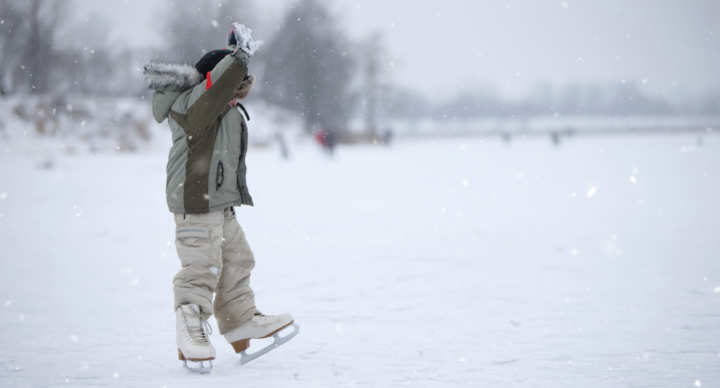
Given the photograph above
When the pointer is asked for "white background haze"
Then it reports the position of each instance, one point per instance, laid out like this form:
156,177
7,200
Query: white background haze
438,47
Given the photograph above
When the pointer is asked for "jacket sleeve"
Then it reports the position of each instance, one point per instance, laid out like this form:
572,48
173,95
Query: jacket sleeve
211,97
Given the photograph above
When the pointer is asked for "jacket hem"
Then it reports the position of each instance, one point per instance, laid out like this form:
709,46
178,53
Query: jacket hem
222,206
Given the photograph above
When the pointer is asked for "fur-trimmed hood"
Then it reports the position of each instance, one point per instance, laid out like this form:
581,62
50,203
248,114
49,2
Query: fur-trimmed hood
169,76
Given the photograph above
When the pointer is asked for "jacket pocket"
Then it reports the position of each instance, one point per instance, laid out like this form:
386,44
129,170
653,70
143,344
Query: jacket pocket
220,176
191,241
192,231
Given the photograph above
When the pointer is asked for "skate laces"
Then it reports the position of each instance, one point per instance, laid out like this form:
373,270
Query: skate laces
262,317
200,332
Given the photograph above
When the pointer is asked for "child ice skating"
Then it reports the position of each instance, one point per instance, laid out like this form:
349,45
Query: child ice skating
206,174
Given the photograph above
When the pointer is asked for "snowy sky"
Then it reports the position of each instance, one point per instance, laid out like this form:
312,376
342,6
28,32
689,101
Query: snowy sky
438,47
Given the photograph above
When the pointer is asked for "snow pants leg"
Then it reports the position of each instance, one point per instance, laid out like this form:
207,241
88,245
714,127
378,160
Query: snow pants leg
216,259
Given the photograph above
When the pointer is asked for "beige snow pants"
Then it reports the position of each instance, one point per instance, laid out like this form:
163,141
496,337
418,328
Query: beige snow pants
215,258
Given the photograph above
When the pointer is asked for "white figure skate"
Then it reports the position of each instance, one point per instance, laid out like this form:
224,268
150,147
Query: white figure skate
260,326
192,338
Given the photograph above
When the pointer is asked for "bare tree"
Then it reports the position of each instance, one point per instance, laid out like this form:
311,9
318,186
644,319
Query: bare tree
372,52
27,33
308,68
12,26
44,17
89,64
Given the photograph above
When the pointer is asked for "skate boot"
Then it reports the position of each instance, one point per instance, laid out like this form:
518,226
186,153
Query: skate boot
192,338
260,326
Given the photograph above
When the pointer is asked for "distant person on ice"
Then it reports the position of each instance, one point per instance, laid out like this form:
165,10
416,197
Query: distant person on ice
327,140
205,179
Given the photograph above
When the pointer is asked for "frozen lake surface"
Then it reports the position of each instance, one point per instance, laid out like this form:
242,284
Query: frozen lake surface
429,263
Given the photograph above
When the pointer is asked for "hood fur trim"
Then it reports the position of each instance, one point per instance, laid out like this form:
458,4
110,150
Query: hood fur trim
245,87
164,76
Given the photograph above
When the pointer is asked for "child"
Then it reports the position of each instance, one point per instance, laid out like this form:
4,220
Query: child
205,179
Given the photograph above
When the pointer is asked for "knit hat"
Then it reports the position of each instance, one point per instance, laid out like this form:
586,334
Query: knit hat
210,60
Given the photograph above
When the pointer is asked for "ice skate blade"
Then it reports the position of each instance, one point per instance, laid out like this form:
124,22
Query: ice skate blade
243,344
201,369
277,341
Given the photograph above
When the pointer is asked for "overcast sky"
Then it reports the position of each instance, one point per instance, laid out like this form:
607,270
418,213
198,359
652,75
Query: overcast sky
438,47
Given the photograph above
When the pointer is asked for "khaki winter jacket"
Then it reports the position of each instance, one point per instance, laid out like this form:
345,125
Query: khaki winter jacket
206,167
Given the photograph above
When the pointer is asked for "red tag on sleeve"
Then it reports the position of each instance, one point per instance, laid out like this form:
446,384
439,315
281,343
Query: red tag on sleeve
208,84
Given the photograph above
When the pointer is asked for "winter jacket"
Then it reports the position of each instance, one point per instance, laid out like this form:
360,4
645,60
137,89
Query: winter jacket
206,166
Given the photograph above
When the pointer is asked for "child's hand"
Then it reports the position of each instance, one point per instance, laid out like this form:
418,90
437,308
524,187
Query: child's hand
244,39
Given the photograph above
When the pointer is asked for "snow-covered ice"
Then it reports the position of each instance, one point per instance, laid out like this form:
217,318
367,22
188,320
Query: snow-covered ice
453,262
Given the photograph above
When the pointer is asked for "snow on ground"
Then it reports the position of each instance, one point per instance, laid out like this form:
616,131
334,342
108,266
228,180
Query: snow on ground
455,262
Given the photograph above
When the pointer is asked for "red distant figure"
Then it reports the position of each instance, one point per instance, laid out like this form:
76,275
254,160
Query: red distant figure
326,139
321,138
